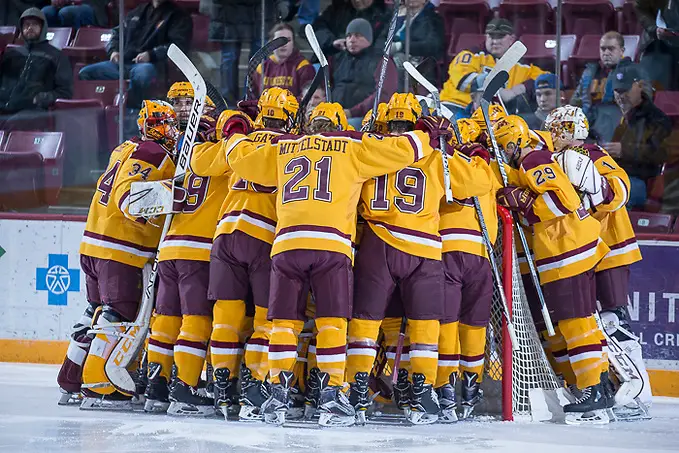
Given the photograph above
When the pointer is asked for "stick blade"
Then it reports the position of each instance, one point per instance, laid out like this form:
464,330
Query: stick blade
494,85
417,75
315,46
513,55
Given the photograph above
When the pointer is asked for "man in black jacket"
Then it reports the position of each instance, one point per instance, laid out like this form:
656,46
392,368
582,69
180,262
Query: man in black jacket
34,75
660,41
149,30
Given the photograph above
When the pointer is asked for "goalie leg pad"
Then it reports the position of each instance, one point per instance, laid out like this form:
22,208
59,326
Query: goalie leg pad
584,349
362,347
424,345
161,344
449,353
331,345
191,348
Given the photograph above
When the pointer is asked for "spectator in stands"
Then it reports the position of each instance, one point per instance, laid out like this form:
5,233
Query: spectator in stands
234,22
11,10
426,35
316,98
468,71
639,143
356,72
660,42
32,76
76,13
594,93
308,12
332,23
545,97
286,68
150,28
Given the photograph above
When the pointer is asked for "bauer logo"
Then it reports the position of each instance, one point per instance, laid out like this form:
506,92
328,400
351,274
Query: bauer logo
57,279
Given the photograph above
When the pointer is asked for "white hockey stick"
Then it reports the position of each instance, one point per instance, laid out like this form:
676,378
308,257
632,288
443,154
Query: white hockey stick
313,42
422,80
513,55
133,338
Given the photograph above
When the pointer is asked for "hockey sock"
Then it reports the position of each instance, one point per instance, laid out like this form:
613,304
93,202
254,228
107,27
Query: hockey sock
472,349
559,350
257,348
94,376
331,348
161,344
391,328
604,344
283,346
424,348
362,347
584,350
191,348
449,353
226,346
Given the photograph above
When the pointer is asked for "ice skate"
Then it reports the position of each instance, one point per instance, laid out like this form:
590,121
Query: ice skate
609,394
115,401
312,394
157,390
402,391
297,406
334,406
448,401
590,408
253,393
141,381
471,393
185,400
424,404
359,397
632,412
222,391
274,409
69,399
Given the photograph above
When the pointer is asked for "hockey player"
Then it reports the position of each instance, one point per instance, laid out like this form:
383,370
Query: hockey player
567,248
180,96
314,237
569,128
240,261
380,125
115,247
468,288
401,252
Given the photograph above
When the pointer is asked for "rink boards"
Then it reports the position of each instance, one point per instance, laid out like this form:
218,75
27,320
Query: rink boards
42,292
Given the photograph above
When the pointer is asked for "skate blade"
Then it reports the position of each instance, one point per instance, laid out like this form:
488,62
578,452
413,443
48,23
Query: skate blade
295,413
250,414
333,420
138,400
448,416
422,418
190,410
466,411
98,404
361,418
625,414
597,417
70,399
276,418
154,406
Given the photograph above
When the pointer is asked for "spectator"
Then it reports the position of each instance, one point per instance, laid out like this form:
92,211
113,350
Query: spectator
469,69
639,143
308,12
356,72
316,98
545,97
426,35
660,42
11,10
234,22
594,93
332,23
32,76
286,68
76,13
150,28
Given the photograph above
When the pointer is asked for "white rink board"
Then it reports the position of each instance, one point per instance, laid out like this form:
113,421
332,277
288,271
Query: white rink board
39,301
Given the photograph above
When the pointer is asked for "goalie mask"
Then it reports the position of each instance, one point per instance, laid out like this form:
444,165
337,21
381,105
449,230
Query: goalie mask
495,113
567,125
225,115
278,104
380,125
157,121
512,135
332,112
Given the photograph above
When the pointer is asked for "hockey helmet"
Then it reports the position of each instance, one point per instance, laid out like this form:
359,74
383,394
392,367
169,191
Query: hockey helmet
469,130
157,121
225,115
279,104
567,124
403,107
495,112
381,120
512,130
330,111
184,89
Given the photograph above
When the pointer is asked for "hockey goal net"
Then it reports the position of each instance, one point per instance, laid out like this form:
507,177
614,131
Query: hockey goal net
510,377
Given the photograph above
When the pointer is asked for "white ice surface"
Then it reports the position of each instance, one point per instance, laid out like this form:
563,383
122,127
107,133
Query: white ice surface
31,421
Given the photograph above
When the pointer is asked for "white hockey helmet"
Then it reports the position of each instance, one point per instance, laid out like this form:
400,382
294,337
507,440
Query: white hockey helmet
566,124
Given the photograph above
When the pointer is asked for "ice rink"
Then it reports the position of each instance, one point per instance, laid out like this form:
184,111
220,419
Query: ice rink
31,421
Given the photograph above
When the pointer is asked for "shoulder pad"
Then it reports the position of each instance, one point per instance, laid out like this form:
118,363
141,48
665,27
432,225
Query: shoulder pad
150,152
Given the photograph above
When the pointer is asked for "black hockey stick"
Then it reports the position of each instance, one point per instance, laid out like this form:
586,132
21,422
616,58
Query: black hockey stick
318,78
258,57
216,97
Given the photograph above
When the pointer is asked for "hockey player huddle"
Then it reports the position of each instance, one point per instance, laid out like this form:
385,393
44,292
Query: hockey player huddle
300,254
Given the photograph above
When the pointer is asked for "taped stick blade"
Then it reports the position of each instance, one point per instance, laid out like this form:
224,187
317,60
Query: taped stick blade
513,55
498,82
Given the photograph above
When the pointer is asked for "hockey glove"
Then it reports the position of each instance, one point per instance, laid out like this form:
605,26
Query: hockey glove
519,199
207,129
475,150
436,127
236,124
250,108
603,196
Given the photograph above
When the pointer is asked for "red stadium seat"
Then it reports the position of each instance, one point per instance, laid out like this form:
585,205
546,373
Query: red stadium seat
466,41
20,180
587,16
668,102
7,35
190,6
543,47
464,16
627,19
587,52
59,37
89,45
50,145
102,90
648,222
199,41
528,16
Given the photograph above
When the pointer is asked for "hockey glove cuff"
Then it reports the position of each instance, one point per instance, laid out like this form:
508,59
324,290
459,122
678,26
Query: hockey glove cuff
237,124
207,129
436,127
475,150
519,199
250,108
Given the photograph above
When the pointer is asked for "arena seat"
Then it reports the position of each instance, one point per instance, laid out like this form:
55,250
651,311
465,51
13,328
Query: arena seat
627,19
59,37
464,16
466,41
102,90
199,40
543,47
7,35
649,222
587,16
528,16
668,102
50,146
89,45
20,178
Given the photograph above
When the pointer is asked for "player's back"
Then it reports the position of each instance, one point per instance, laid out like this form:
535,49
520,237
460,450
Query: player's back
460,229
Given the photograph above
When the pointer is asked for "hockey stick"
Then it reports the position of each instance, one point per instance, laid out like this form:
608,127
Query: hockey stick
385,61
399,349
135,333
495,84
415,74
307,97
313,42
216,96
257,58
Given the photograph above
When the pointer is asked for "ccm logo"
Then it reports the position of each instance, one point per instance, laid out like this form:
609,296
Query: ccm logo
151,210
126,345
